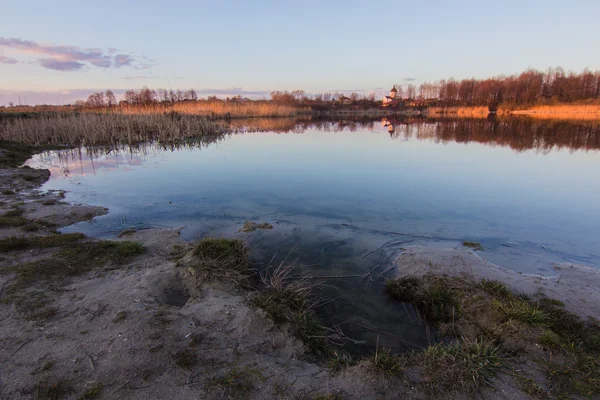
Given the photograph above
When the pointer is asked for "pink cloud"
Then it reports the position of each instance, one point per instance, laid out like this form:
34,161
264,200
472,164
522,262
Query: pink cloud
7,60
69,58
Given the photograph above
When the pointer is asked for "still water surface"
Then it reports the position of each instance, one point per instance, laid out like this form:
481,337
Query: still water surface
334,192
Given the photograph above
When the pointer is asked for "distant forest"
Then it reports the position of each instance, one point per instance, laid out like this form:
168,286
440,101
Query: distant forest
532,87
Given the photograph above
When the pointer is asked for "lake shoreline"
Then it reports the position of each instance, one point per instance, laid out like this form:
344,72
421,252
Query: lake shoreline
130,331
559,112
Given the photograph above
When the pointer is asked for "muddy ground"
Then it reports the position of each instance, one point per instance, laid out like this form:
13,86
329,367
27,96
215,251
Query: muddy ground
143,326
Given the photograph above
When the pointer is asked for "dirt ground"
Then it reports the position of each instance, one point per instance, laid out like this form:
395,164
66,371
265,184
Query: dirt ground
144,328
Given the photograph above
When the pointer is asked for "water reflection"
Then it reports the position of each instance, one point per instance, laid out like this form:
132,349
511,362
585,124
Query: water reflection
519,134
335,191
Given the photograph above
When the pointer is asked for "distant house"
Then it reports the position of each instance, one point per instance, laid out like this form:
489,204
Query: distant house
387,100
343,100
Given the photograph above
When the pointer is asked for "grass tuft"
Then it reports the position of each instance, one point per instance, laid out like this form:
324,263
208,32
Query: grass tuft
92,392
473,245
433,297
495,288
286,300
465,365
522,311
186,358
24,243
387,363
220,258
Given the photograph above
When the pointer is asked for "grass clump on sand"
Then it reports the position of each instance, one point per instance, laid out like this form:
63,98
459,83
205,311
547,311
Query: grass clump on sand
185,358
520,310
496,327
52,391
237,382
386,362
433,298
73,257
459,366
221,258
286,300
24,243
92,392
12,222
473,245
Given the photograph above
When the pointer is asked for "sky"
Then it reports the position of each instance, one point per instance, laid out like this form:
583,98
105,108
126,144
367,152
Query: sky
56,52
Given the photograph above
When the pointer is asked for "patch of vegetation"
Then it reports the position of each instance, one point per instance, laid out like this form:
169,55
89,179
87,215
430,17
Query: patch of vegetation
12,222
237,383
530,387
495,288
224,259
492,321
473,245
36,242
126,249
8,192
185,358
92,392
221,249
121,315
459,366
339,361
522,311
49,202
550,340
14,154
73,257
15,212
52,391
432,297
287,301
252,226
387,363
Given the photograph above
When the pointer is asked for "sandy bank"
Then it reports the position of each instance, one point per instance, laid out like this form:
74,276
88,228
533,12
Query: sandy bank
575,285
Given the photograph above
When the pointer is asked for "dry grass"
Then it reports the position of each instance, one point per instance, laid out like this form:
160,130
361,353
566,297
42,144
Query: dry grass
287,300
583,112
568,112
495,324
219,109
89,129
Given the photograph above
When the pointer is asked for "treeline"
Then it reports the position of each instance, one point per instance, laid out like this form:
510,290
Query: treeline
146,97
531,87
142,97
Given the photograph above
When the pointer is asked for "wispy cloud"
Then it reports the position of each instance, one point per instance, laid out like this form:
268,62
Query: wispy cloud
134,77
72,58
8,60
410,79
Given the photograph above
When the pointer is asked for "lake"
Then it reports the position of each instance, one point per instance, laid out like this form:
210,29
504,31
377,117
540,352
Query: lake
345,197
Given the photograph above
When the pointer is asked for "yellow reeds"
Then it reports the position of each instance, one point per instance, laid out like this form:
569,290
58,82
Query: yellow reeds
219,109
569,112
110,128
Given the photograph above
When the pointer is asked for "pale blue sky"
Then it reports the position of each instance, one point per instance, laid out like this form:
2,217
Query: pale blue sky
260,46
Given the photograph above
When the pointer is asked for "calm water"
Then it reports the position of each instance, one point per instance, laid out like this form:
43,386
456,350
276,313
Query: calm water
334,192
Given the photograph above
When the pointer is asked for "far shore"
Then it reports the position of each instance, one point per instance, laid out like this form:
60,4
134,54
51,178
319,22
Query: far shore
550,112
268,109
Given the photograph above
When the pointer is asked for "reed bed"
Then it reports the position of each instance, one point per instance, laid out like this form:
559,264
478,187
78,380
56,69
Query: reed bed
565,112
219,109
88,129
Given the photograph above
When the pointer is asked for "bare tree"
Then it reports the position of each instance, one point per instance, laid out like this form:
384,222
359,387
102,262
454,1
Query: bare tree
411,91
111,100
